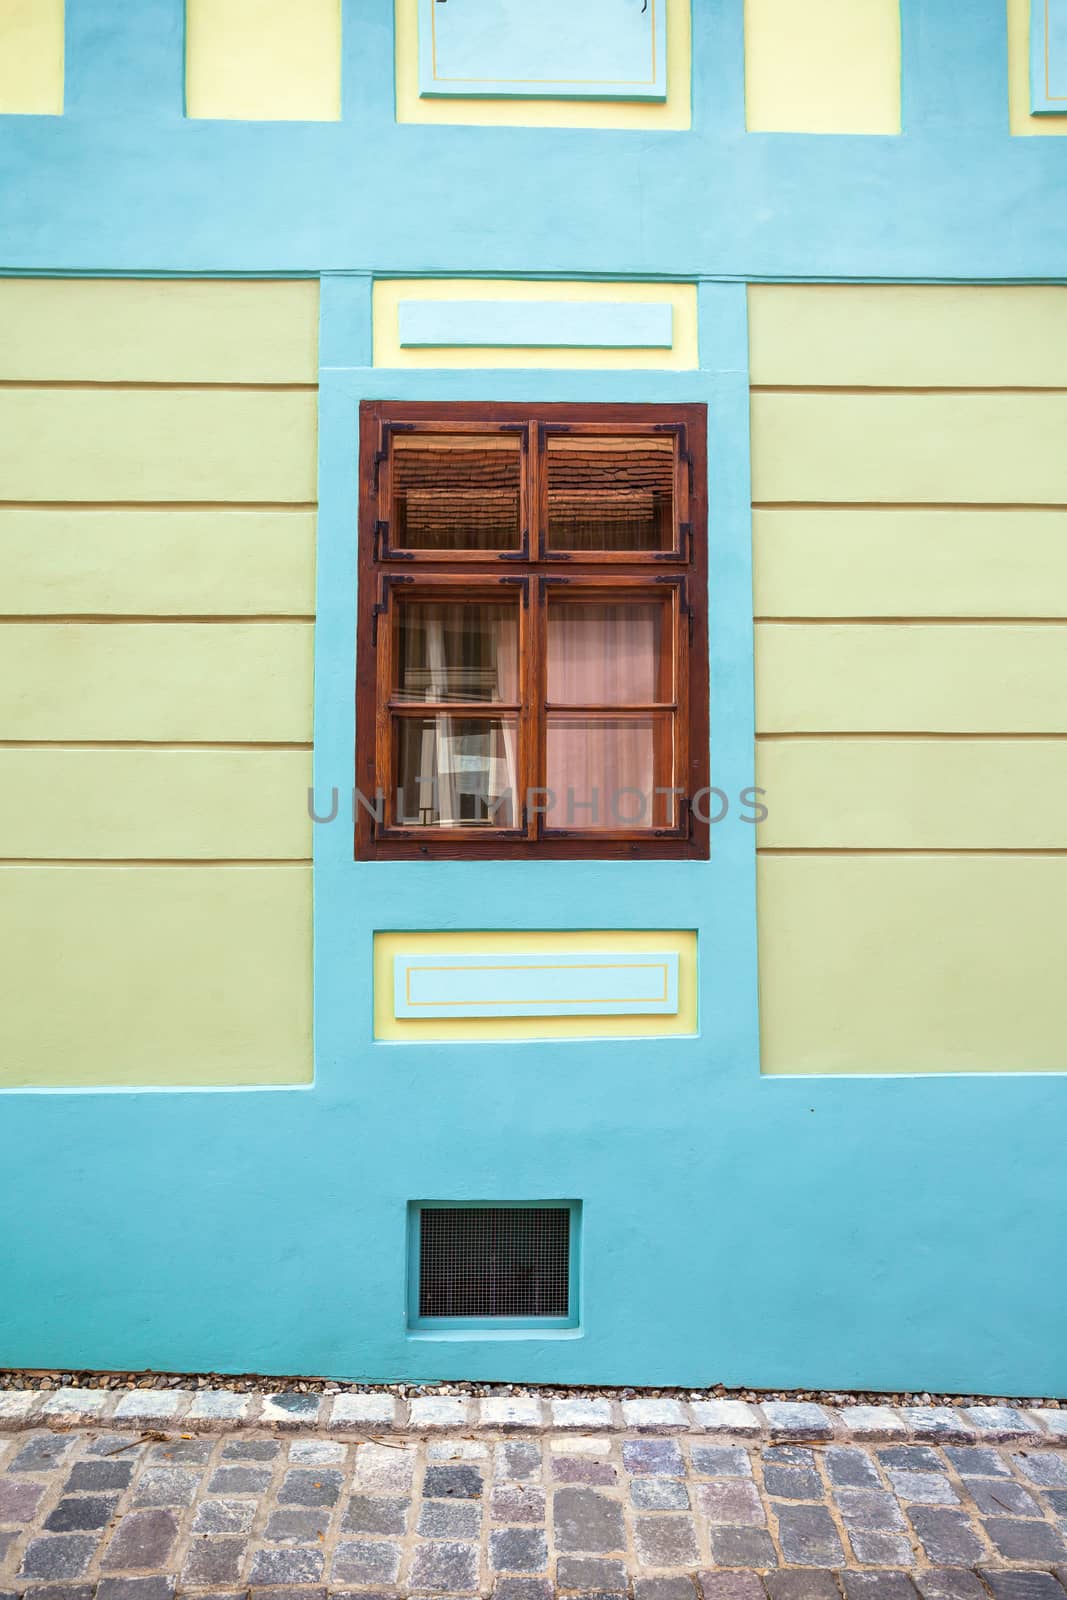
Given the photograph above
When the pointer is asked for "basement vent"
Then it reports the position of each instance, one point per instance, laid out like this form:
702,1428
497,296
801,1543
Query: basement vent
494,1261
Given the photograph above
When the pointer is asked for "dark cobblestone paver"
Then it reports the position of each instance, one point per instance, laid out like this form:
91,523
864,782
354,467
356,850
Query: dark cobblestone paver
100,1515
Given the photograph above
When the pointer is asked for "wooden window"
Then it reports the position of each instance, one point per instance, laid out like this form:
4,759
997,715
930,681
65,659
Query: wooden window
532,651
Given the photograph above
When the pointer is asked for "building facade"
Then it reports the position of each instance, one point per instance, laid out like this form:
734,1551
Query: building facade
534,690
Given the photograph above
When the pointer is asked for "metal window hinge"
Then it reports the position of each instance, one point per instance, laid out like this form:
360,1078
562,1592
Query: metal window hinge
522,554
546,582
381,606
382,452
525,584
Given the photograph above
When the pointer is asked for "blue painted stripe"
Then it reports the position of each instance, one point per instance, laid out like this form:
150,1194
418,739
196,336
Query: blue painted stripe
616,983
589,324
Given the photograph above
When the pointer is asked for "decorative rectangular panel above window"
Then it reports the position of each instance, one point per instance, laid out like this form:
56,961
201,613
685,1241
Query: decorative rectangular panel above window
1048,57
597,50
532,658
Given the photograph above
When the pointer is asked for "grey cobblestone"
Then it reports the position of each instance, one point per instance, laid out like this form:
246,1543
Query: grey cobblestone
452,1515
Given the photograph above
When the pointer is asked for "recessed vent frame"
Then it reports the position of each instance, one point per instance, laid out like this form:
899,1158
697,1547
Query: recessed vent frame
480,1321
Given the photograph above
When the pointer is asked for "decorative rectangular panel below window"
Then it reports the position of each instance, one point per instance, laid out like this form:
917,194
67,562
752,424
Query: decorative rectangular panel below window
585,984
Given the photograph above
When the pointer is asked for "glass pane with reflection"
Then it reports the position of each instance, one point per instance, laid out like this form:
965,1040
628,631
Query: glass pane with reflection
603,772
456,492
613,654
610,494
457,772
457,650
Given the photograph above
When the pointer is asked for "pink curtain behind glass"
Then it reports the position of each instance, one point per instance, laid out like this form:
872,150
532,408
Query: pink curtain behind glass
602,655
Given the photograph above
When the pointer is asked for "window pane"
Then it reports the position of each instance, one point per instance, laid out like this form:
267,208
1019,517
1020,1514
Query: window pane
457,650
459,492
613,654
456,772
610,494
603,772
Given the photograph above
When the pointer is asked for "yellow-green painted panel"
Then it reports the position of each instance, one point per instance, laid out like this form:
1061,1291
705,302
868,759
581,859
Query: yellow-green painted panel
1021,119
155,975
896,964
929,448
672,113
204,682
908,335
911,678
31,57
822,66
840,562
164,444
388,352
388,945
263,60
159,330
157,563
163,805
913,794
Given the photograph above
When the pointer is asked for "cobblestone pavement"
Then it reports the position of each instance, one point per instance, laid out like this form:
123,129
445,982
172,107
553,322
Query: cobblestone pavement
142,1516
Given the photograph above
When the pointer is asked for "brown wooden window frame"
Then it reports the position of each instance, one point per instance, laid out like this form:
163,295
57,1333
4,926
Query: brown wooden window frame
529,574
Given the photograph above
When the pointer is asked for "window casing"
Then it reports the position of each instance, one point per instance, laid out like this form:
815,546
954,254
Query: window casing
532,647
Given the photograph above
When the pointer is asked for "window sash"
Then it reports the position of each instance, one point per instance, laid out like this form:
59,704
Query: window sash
532,712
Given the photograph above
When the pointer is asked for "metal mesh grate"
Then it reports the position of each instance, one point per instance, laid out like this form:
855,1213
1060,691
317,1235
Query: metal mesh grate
494,1261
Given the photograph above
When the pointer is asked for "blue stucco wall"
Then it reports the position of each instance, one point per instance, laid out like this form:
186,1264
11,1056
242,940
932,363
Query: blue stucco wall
848,1232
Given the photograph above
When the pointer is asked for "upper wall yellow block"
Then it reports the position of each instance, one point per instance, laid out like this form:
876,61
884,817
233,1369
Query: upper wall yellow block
822,66
388,351
204,682
263,60
911,678
155,975
913,794
157,563
1002,449
887,964
672,113
1020,116
31,57
839,561
243,445
908,335
130,330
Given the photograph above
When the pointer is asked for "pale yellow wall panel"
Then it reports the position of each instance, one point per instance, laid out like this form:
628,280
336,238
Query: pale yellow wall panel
159,330
146,445
683,354
908,335
673,113
263,60
387,946
163,805
841,562
31,57
1019,76
155,975
913,794
157,563
1007,449
917,678
897,964
822,66
200,682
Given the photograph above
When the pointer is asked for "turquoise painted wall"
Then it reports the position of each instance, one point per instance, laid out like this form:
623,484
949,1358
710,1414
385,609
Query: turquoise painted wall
841,1232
